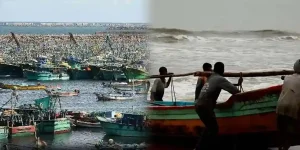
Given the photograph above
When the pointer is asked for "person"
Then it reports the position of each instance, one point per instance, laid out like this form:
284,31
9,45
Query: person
288,108
206,103
202,80
159,85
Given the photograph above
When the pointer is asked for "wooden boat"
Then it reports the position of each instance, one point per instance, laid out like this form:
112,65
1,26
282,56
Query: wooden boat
24,87
248,112
86,124
51,122
129,125
66,94
114,96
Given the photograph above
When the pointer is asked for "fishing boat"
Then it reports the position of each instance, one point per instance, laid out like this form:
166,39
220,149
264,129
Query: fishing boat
66,94
251,112
44,71
17,124
129,125
77,71
23,87
10,71
114,96
87,124
135,73
51,122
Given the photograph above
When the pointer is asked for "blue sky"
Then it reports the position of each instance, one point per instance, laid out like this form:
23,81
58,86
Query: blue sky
123,11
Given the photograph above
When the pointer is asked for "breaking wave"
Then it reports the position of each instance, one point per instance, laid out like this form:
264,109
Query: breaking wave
175,35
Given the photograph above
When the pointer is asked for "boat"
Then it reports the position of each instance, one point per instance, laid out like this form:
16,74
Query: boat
44,71
130,125
77,71
23,87
51,122
10,71
114,96
66,94
135,73
47,74
248,112
87,124
17,124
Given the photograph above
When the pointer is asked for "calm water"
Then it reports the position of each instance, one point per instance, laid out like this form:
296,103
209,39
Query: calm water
49,30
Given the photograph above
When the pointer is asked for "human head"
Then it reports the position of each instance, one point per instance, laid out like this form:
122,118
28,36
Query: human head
163,71
207,67
219,68
297,66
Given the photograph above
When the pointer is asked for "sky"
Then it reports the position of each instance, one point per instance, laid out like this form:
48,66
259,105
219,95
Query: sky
117,11
223,15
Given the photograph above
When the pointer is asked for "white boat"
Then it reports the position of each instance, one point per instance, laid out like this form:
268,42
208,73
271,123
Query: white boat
114,96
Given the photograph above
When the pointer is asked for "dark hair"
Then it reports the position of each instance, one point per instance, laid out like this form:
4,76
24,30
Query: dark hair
163,69
207,67
219,68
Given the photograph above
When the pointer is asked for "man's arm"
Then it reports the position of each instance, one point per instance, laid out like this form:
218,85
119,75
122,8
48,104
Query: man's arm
169,81
227,86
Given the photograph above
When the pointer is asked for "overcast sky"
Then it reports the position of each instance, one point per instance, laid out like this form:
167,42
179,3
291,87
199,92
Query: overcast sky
226,14
74,10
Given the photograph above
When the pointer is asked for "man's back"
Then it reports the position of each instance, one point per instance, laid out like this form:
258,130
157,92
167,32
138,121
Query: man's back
158,89
212,89
289,100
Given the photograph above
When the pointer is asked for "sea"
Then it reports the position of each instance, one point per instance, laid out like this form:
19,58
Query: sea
86,101
182,51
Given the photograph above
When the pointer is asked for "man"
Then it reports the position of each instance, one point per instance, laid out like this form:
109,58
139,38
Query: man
206,103
159,85
288,108
202,80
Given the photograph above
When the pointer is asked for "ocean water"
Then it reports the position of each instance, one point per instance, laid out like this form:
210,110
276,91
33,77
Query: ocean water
49,30
86,101
241,51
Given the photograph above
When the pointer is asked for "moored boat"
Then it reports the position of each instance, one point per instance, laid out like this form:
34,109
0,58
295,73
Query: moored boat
23,87
86,124
129,125
114,96
50,122
66,94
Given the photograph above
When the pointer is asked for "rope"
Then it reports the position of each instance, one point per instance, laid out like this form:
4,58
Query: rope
173,91
240,82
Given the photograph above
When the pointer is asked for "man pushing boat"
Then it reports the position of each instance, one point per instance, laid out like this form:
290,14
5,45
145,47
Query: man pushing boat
288,108
201,80
206,103
159,85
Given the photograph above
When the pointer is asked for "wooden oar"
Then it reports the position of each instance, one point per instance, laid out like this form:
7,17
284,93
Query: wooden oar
232,74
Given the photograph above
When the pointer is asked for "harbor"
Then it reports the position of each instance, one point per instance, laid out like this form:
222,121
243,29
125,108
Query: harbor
63,89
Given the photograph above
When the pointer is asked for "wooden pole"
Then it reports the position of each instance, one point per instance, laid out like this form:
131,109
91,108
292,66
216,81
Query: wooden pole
232,74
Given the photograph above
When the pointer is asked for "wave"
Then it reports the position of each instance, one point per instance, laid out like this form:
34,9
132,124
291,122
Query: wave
176,35
267,32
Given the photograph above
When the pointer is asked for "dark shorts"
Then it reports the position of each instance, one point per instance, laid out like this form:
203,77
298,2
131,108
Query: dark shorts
287,124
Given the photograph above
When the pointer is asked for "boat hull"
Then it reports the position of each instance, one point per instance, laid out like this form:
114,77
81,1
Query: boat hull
76,74
250,112
57,126
4,132
87,124
45,76
132,73
10,71
20,87
22,131
116,129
